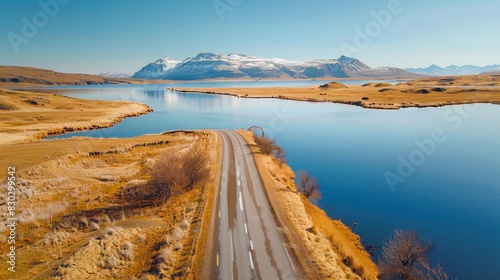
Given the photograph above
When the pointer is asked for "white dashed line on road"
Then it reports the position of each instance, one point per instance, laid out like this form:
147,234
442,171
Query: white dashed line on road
251,261
241,203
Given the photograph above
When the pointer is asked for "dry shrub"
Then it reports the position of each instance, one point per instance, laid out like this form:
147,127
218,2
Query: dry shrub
195,167
185,224
55,238
51,209
127,250
110,262
177,234
94,226
165,176
26,216
121,216
309,186
106,219
84,222
406,255
161,262
268,146
177,246
31,215
168,240
141,237
25,192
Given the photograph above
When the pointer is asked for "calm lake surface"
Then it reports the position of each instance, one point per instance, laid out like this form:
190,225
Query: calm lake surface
451,188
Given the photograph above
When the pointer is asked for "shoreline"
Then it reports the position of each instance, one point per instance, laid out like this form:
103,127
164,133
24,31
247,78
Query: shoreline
361,104
30,116
420,93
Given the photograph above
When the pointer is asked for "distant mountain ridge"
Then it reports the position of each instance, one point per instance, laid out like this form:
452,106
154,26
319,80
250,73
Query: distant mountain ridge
453,70
240,66
115,74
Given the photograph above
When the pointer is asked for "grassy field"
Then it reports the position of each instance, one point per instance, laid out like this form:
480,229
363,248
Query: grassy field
83,211
427,92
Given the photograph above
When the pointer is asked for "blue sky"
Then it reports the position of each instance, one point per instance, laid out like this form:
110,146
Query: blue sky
96,36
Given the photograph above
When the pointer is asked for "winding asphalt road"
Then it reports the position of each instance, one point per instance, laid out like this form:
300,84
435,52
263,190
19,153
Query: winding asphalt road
249,245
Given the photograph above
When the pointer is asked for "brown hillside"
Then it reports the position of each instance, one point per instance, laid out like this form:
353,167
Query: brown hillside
12,76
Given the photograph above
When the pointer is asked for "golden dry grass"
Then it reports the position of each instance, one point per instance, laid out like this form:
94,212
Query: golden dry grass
69,200
458,90
27,116
347,244
320,245
203,247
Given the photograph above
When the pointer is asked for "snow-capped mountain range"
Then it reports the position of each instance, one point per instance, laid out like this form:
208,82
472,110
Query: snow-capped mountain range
241,66
453,70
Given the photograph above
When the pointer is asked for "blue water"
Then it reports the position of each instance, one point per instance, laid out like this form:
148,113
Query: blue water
452,196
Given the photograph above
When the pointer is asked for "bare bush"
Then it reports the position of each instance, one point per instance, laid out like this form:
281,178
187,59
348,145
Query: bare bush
195,167
280,155
266,145
406,256
269,147
165,175
309,186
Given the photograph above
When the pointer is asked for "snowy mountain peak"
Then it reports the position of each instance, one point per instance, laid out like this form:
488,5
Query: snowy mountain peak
207,65
206,56
165,59
241,56
346,59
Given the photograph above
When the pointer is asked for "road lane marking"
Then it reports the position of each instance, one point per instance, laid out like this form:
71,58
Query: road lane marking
251,244
251,261
289,259
219,213
241,203
246,229
217,260
231,247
